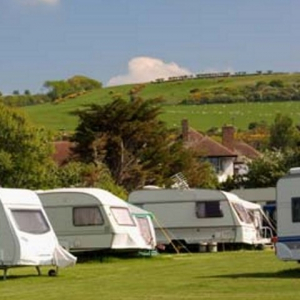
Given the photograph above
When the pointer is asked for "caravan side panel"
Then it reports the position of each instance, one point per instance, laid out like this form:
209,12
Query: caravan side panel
190,215
61,209
288,217
91,219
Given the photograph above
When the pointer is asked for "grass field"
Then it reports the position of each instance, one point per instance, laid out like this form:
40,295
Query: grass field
57,116
201,117
225,275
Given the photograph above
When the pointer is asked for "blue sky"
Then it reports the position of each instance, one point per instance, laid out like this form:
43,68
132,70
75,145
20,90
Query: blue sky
127,41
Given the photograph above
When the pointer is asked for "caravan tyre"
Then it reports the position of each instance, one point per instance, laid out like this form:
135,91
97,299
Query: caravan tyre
260,247
52,273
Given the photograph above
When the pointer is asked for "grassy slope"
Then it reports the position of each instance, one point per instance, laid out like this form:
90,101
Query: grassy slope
215,276
201,117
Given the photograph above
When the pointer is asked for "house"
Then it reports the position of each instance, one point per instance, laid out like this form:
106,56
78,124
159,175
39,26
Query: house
229,157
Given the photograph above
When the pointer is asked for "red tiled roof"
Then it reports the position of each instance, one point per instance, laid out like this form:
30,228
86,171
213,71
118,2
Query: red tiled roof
205,144
211,148
243,149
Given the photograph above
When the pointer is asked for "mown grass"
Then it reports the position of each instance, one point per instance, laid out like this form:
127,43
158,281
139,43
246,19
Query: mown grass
222,276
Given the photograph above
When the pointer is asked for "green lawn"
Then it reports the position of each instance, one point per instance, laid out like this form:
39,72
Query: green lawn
226,275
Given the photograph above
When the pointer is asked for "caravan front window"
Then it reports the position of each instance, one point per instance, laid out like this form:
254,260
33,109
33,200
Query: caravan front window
122,216
143,225
296,209
87,216
208,209
30,221
242,213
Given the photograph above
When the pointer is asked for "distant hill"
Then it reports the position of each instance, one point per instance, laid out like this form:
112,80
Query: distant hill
202,117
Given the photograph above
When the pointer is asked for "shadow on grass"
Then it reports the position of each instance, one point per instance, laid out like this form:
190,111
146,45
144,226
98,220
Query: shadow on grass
107,257
12,277
291,273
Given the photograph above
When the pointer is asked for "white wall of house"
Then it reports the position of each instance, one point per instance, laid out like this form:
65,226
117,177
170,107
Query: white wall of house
227,168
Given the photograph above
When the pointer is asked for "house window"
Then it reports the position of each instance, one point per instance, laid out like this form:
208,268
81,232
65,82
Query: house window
122,216
296,209
87,216
30,221
208,209
217,163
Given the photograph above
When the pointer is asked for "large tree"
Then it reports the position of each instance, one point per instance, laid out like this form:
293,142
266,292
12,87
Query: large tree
283,134
25,152
62,88
79,174
133,142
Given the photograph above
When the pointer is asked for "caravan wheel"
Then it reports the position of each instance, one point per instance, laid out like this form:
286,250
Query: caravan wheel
260,247
52,273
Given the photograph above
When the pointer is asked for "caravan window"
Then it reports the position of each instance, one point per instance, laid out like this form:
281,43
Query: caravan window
296,210
242,213
144,228
208,209
87,216
122,216
30,221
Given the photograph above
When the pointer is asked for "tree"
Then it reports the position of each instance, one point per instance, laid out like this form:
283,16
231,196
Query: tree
58,89
264,171
82,83
283,134
25,153
63,88
88,175
276,83
131,140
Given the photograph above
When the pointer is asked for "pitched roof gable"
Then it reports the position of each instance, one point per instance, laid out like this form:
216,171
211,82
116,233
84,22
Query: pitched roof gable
244,149
203,143
211,148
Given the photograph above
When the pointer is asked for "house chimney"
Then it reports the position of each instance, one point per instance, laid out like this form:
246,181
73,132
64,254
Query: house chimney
185,129
228,136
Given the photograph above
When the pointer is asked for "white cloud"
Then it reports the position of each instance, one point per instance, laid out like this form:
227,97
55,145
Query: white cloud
145,69
35,2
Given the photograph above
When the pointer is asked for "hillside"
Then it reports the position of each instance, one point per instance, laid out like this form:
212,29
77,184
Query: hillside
202,117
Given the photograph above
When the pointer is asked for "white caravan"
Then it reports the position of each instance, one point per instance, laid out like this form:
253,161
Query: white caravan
27,238
90,219
195,216
144,221
287,243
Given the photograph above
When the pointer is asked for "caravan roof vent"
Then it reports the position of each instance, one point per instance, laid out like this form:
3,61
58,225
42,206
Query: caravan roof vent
294,170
